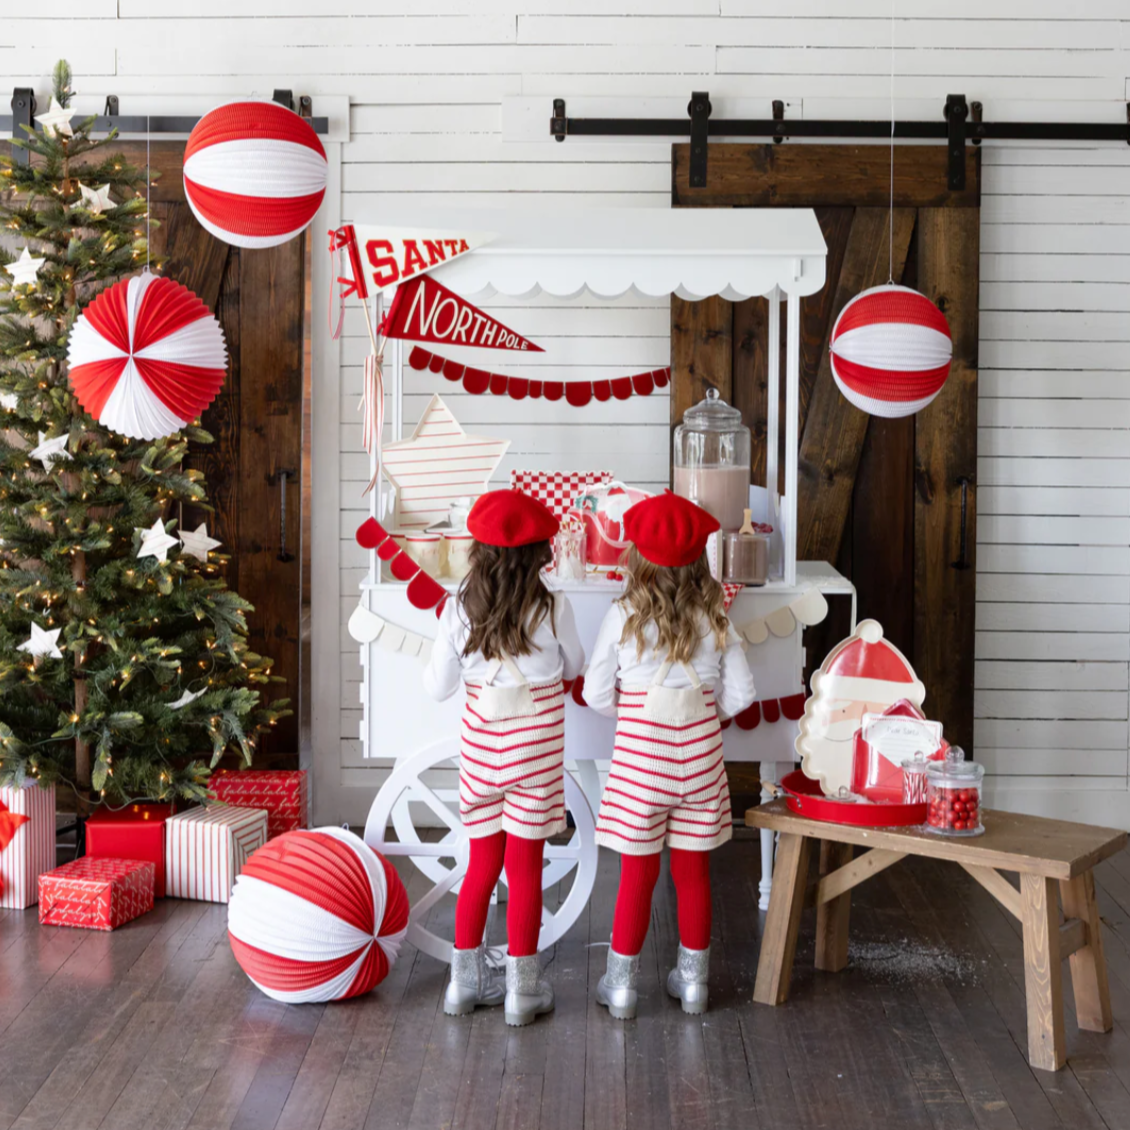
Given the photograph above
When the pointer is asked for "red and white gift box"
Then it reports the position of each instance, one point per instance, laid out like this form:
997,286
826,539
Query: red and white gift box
206,848
558,490
281,792
31,851
96,894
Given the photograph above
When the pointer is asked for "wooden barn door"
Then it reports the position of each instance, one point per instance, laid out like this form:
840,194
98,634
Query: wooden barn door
257,421
892,503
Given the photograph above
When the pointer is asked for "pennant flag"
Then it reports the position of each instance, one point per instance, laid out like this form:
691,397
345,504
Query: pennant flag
426,310
394,255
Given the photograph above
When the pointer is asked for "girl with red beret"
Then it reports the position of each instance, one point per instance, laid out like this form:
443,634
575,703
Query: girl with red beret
665,663
510,642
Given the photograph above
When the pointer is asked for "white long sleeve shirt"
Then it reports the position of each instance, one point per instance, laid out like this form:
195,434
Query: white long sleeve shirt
555,655
726,671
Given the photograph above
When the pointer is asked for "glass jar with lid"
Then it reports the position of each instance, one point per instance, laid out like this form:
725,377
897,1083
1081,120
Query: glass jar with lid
953,795
712,459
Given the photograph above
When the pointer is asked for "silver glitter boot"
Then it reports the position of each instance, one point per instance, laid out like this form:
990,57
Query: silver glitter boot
687,982
472,983
617,988
528,994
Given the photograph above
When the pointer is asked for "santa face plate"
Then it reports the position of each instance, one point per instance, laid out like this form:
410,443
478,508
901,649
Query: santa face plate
864,674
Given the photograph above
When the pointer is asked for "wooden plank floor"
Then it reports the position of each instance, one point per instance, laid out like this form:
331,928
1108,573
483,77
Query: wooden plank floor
154,1027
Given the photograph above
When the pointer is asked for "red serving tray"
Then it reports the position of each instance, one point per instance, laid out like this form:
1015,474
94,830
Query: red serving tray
804,797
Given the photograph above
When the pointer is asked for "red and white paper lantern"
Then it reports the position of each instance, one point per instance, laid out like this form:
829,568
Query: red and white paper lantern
891,351
317,916
146,357
254,173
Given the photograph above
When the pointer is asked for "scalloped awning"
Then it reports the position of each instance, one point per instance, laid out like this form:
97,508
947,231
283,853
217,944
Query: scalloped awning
694,253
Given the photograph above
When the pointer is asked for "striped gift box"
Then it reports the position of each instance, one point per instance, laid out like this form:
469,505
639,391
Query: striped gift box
32,850
206,848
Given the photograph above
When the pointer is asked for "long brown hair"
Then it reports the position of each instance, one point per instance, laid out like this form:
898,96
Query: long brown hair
504,599
676,599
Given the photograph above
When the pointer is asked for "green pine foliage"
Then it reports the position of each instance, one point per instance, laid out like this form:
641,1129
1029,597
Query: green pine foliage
135,634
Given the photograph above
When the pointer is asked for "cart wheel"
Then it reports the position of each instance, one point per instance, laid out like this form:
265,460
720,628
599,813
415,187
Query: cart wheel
445,861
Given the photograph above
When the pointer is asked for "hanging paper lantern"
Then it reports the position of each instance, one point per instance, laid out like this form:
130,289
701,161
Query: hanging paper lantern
254,173
891,351
317,916
146,357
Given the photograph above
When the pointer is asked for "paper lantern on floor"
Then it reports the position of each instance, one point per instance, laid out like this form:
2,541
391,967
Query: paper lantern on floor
254,173
891,351
146,357
317,916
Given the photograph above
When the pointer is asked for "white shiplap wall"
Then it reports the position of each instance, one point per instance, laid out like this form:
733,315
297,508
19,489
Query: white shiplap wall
449,103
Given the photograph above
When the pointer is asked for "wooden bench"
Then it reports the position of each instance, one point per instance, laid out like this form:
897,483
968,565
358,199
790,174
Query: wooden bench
1046,853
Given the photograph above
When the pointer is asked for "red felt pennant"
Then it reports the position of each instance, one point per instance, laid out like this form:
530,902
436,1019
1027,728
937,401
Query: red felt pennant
403,567
771,709
370,534
453,371
750,718
387,550
578,691
662,377
643,383
517,387
498,384
553,390
424,592
419,359
436,363
622,388
602,390
476,381
426,310
792,706
535,390
578,393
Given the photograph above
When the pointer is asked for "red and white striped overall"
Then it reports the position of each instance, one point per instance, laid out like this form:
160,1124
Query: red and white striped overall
668,782
512,758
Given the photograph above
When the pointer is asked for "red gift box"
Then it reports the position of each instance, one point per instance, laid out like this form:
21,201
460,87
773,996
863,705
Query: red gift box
281,793
96,894
134,832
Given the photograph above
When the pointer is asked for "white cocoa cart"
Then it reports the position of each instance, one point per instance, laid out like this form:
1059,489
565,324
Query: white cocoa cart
694,254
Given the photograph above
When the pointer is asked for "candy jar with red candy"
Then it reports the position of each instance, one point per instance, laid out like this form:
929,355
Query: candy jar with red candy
953,795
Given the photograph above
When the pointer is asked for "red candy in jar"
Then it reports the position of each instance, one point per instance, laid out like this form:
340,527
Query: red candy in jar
953,795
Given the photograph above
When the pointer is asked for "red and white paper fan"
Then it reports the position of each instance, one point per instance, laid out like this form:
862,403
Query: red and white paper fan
146,357
891,351
254,173
317,916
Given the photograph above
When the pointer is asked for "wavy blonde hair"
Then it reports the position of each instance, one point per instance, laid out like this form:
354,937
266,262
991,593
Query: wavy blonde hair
676,600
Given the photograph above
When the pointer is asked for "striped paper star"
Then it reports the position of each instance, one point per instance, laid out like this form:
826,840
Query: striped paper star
56,120
438,463
96,200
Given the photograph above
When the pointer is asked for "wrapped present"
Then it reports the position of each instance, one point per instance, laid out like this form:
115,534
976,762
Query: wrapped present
884,741
280,792
27,842
96,894
134,832
558,490
206,848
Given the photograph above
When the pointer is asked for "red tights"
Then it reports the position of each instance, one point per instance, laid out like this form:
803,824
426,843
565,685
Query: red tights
523,859
690,871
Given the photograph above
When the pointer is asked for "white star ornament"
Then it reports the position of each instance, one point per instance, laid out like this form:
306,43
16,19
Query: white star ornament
49,451
197,542
41,643
156,543
185,699
25,270
56,120
96,200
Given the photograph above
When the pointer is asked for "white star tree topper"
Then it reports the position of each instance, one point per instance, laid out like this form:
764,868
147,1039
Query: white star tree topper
49,451
56,120
96,200
25,270
156,543
197,542
41,643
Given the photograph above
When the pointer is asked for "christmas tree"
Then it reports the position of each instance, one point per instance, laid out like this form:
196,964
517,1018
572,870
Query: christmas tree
124,667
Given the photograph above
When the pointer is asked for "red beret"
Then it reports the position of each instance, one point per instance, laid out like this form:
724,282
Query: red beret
668,529
510,518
